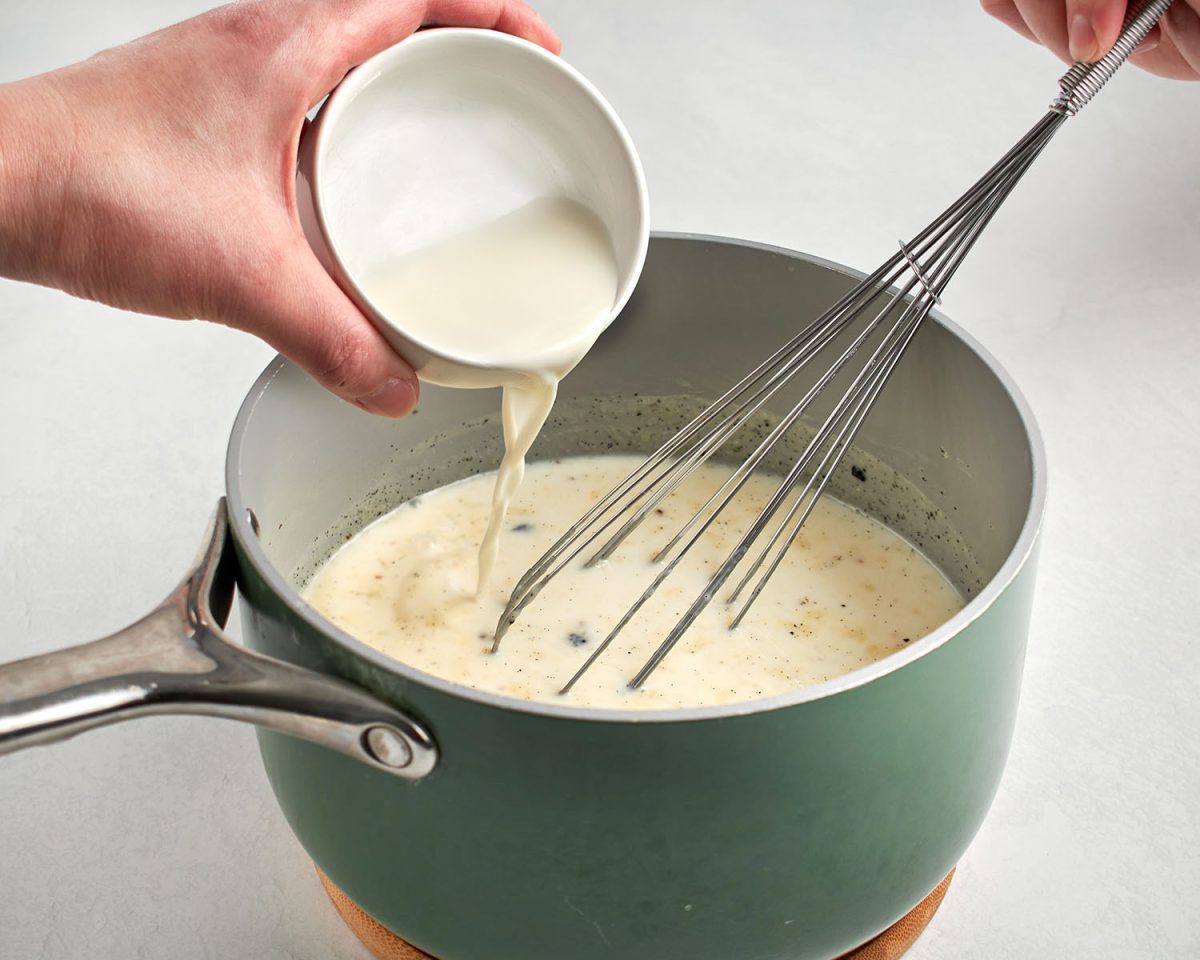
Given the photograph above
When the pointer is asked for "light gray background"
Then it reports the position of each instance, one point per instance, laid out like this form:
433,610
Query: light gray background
832,128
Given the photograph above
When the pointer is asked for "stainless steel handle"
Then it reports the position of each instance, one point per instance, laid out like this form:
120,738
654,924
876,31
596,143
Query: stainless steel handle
1083,81
177,659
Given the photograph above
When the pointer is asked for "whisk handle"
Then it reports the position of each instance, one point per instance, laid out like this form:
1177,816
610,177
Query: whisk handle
1083,81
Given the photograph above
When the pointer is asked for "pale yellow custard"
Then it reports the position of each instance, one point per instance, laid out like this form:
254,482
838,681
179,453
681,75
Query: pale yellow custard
849,593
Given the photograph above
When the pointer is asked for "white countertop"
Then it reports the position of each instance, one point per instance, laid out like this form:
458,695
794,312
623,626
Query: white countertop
830,128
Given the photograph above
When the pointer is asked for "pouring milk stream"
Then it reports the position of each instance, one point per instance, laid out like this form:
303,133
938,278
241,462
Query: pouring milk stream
487,209
526,295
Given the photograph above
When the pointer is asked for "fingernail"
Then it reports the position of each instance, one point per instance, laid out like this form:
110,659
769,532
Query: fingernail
1081,38
1149,43
394,399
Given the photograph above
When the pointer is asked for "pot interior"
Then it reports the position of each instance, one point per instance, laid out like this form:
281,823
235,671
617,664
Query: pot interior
949,456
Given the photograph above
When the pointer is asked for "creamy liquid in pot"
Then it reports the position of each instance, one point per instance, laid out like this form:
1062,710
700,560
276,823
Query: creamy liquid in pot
525,296
849,593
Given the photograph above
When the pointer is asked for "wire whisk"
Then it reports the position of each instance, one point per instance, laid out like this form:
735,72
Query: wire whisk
877,319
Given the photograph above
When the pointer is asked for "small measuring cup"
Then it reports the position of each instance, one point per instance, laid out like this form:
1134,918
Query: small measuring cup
447,130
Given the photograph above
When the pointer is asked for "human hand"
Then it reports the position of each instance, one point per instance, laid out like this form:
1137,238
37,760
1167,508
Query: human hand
159,176
1085,30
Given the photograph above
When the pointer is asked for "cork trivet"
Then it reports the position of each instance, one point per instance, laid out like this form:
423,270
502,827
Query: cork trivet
894,942
385,945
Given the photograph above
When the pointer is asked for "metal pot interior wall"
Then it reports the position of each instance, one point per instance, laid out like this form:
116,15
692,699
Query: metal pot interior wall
314,470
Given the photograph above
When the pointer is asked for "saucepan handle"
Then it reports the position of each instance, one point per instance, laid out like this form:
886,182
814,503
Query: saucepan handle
178,660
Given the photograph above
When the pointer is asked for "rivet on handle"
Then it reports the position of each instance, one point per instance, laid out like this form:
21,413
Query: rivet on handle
388,747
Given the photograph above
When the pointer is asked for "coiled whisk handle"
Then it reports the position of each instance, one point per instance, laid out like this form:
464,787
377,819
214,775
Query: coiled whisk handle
1084,80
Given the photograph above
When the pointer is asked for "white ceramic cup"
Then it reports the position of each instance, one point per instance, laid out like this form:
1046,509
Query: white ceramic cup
447,130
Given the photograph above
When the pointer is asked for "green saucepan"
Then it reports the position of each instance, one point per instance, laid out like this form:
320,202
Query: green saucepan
484,828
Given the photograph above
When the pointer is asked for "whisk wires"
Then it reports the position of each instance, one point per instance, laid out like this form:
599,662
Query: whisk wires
879,318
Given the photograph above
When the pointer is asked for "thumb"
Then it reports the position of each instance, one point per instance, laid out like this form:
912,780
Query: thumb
304,315
1092,27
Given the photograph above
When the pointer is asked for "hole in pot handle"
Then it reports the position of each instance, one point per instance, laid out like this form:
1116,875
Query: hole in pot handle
178,660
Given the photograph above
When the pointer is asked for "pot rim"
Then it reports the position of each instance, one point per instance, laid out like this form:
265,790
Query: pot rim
243,533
